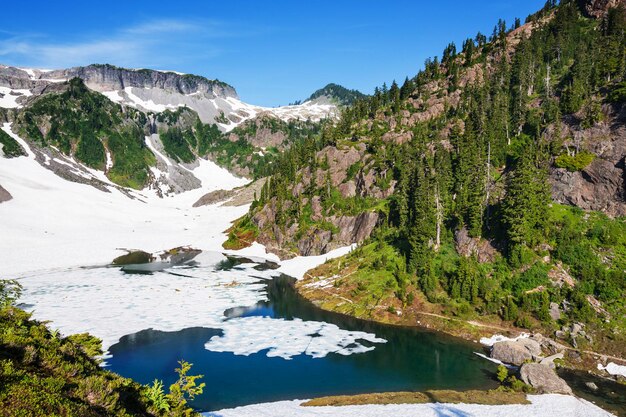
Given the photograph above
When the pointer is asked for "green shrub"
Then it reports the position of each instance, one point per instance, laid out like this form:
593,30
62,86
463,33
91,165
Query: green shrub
10,147
574,163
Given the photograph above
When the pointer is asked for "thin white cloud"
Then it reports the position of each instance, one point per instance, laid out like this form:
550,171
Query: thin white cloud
160,42
160,26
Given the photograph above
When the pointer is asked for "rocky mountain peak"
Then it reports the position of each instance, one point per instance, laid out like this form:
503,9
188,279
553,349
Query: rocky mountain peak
109,77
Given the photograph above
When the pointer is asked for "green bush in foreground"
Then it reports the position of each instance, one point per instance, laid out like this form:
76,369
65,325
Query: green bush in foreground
43,374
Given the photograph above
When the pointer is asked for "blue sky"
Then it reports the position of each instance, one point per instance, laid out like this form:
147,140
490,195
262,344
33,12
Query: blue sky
272,52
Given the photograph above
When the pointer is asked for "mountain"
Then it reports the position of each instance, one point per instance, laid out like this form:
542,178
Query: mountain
335,94
491,184
143,128
153,91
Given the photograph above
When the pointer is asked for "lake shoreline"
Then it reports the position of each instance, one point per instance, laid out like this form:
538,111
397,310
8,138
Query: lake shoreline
469,331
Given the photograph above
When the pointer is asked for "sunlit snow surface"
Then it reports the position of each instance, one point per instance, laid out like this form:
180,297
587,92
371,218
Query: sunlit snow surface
110,303
548,405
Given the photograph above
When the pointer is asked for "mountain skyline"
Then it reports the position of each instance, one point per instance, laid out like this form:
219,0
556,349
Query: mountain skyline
263,53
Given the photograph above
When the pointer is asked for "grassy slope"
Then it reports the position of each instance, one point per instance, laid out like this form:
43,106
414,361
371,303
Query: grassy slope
369,283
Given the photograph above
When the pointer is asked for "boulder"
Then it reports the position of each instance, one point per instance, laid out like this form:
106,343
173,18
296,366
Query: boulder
543,379
4,195
555,311
549,361
516,352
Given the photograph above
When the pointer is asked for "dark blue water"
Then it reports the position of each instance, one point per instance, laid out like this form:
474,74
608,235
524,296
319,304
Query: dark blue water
412,359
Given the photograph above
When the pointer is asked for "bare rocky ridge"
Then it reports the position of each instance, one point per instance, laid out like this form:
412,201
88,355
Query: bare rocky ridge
109,77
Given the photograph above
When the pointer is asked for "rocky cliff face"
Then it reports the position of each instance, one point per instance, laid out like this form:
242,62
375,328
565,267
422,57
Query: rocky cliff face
290,241
340,176
599,8
109,77
601,185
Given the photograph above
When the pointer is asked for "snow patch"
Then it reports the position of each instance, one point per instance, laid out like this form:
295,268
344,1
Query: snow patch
113,96
613,369
490,341
149,105
547,405
10,96
298,266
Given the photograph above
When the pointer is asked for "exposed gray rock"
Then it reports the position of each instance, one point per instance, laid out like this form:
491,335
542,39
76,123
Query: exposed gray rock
598,8
109,77
555,311
4,195
236,197
316,241
600,186
516,352
549,360
468,246
547,344
591,385
543,379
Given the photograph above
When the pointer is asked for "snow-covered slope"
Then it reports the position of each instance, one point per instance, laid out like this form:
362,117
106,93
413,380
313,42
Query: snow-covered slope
156,91
52,222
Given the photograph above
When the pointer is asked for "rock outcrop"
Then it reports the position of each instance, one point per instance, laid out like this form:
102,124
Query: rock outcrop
543,379
108,77
601,185
599,8
516,352
288,241
4,195
236,197
469,246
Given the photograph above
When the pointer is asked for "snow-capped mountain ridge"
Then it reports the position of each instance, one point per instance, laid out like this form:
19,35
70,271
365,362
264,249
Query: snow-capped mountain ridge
154,91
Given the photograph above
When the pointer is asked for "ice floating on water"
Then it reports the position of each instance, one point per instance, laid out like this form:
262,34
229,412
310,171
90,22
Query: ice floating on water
109,304
288,338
